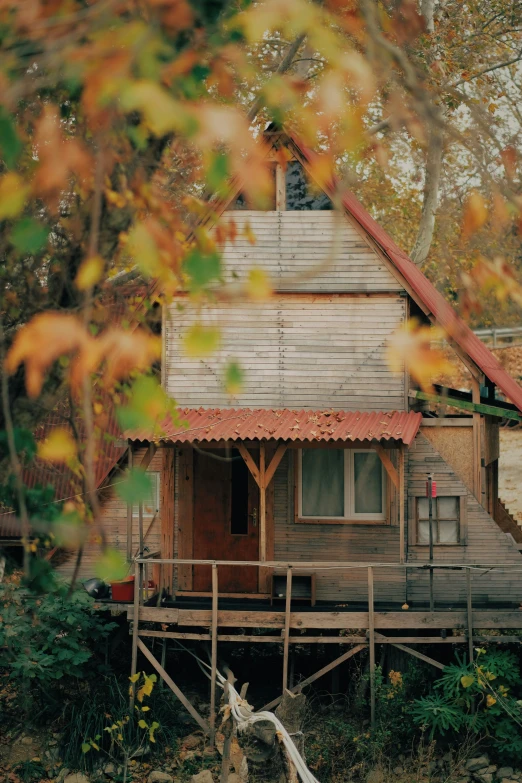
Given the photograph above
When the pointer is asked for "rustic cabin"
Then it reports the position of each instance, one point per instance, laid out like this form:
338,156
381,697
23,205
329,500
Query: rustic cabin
330,494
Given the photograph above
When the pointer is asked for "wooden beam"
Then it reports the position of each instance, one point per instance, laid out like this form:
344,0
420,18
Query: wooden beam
402,490
466,405
280,187
371,640
320,673
148,456
129,509
167,518
185,516
287,627
391,470
262,504
135,629
213,660
172,685
489,400
274,463
417,654
477,444
469,602
251,465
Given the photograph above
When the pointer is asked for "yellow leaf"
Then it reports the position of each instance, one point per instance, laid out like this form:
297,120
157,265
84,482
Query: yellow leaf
475,214
145,709
405,606
144,251
490,700
467,681
142,724
59,446
161,112
411,346
258,285
13,193
249,234
89,273
201,340
135,677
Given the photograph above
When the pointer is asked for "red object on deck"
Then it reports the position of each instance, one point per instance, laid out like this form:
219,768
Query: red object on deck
215,424
123,590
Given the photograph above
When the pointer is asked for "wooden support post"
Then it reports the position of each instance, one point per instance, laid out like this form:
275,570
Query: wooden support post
320,673
371,640
402,526
140,523
280,185
417,654
213,662
388,464
135,631
129,510
227,727
477,443
287,627
163,659
262,504
174,688
469,601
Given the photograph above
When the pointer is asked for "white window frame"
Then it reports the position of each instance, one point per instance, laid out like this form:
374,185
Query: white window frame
154,476
349,496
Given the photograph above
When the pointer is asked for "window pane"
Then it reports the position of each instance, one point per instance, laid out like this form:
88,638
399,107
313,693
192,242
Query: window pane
150,503
367,469
322,483
449,532
423,508
448,508
424,533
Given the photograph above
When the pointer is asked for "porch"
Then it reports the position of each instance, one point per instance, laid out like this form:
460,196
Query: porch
354,626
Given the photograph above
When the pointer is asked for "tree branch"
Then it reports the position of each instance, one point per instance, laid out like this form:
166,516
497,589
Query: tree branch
424,238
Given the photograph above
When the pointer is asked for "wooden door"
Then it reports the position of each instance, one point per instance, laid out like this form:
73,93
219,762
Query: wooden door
226,521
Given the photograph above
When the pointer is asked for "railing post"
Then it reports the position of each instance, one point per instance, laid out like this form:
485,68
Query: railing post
129,511
469,602
213,662
371,642
402,526
135,630
286,641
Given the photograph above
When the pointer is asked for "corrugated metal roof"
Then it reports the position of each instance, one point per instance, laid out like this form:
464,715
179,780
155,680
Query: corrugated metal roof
432,299
205,425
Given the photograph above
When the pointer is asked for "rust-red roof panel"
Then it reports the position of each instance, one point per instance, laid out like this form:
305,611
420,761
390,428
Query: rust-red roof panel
232,424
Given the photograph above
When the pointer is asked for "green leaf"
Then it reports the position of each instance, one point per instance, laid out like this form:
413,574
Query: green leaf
85,747
29,236
202,269
218,172
111,566
233,378
135,487
10,144
467,680
201,340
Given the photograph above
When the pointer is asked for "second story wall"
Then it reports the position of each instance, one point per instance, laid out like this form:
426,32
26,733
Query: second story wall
296,351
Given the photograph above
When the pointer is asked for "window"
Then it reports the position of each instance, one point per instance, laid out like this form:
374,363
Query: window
445,520
151,503
341,485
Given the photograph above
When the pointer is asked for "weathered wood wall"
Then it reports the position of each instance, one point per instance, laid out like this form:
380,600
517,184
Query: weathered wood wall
114,521
486,543
305,251
296,351
354,543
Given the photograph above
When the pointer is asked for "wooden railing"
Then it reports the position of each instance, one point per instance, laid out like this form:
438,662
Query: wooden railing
369,641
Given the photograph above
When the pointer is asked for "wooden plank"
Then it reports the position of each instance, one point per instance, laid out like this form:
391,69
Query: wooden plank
172,685
185,520
477,443
466,405
167,518
280,186
469,601
309,680
213,662
129,507
402,524
286,632
148,456
249,460
274,463
417,654
135,629
388,464
371,641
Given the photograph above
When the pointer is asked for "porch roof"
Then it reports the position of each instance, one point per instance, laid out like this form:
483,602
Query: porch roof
199,425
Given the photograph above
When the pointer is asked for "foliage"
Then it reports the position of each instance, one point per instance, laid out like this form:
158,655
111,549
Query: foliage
49,640
477,697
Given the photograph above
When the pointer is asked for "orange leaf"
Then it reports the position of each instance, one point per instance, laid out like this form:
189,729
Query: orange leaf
411,347
40,342
58,447
475,214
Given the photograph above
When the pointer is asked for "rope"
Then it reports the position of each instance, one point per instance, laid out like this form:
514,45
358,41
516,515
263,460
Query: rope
244,716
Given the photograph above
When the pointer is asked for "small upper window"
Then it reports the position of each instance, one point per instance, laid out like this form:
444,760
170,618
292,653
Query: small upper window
151,503
300,195
445,520
341,484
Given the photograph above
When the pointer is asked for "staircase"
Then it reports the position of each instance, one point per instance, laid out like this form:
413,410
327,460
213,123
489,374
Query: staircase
506,522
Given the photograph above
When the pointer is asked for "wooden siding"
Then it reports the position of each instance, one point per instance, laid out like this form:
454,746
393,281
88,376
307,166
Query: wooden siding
305,251
114,521
354,543
296,351
486,543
